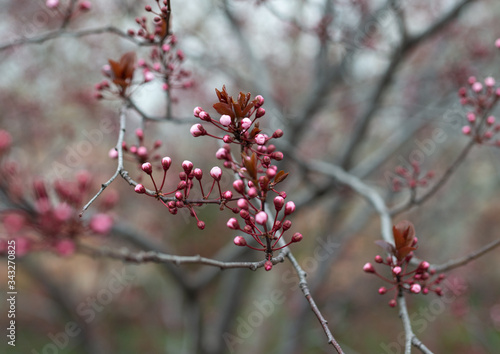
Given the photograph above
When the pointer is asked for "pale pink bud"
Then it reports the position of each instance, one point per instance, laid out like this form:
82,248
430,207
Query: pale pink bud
13,222
141,63
142,151
227,195
289,208
216,173
227,139
113,153
164,86
261,217
489,81
240,241
382,290
368,268
396,270
101,223
260,139
221,154
165,48
242,203
147,167
65,247
471,117
497,43
239,186
466,130
197,130
140,189
297,237
471,80
379,259
157,66
490,120
52,4
246,123
233,224
148,75
187,166
259,101
252,192
424,265
392,303
198,173
166,162
5,140
415,288
477,87
204,116
278,203
225,120
260,112
63,212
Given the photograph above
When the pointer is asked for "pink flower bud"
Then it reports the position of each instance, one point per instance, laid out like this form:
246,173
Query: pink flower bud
225,120
187,166
289,208
278,203
489,81
221,154
396,270
13,222
239,186
260,139
268,266
5,140
233,224
142,152
216,173
471,117
85,5
147,167
259,101
197,130
252,192
278,134
240,241
166,162
245,215
246,123
63,212
466,130
368,268
140,189
227,195
242,203
415,288
65,247
261,217
297,237
392,303
477,87
382,290
101,223
148,75
200,224
198,173
490,120
471,80
227,139
379,259
113,153
52,4
260,112
278,155
287,224
204,116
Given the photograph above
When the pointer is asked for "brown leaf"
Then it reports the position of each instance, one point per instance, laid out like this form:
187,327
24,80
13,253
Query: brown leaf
224,108
250,163
404,234
280,177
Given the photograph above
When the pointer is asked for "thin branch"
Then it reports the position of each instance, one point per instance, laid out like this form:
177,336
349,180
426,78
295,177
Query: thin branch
119,168
158,257
75,34
410,337
466,259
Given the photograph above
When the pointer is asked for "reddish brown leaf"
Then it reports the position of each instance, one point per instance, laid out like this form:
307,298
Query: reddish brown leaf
404,234
251,165
280,177
386,246
224,108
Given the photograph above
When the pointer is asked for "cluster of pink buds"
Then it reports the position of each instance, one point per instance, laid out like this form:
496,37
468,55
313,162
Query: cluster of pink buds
410,178
139,153
419,280
258,177
481,98
160,23
53,221
180,195
165,62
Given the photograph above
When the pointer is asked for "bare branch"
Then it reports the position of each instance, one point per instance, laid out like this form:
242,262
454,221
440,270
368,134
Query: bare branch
410,337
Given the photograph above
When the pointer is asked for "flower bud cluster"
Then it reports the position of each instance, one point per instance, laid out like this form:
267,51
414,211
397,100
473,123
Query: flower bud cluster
239,126
54,221
421,279
139,152
480,98
180,196
411,177
160,23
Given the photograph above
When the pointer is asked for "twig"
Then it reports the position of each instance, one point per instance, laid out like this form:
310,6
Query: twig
410,337
466,259
158,257
119,168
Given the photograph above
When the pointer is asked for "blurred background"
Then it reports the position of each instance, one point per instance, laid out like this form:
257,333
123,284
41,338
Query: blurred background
366,85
